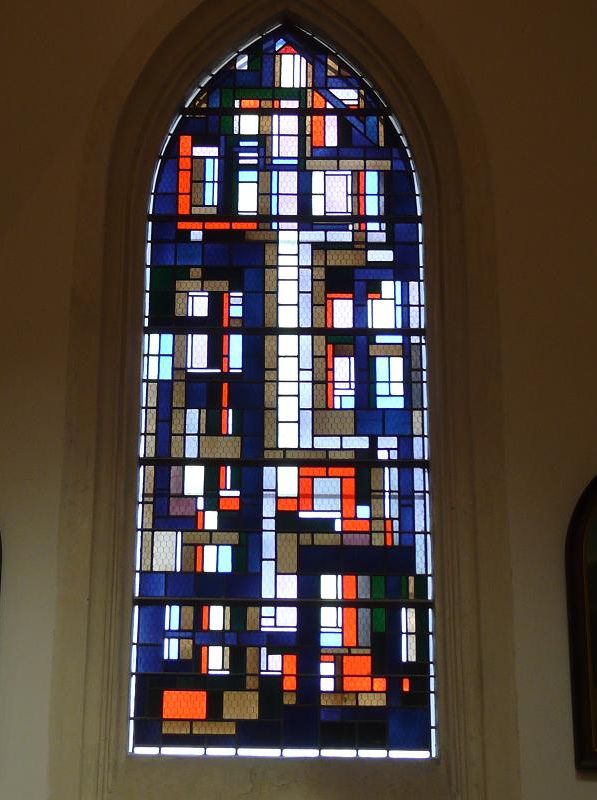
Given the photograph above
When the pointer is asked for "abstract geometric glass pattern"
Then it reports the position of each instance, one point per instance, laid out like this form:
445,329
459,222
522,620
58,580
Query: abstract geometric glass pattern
283,588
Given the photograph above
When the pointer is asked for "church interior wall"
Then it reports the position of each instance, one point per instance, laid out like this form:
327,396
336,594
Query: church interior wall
526,71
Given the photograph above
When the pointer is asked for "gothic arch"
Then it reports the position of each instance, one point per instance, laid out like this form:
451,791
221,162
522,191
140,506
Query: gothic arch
99,499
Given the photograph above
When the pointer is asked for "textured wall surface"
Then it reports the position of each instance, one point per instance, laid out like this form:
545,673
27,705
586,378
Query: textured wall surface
528,71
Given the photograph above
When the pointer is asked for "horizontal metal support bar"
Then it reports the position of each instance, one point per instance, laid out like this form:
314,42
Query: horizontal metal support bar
299,220
272,601
301,111
254,331
285,460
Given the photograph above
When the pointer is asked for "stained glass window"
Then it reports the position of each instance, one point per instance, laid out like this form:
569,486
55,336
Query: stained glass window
283,589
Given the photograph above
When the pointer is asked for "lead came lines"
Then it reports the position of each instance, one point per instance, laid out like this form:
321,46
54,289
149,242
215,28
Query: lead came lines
283,592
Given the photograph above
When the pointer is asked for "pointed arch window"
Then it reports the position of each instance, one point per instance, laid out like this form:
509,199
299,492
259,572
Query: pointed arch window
283,600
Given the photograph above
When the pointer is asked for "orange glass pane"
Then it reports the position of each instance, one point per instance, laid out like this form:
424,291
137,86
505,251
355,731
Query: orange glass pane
315,472
341,472
305,494
229,503
349,587
349,627
185,146
287,504
356,665
184,181
289,665
356,525
318,122
190,226
184,705
356,684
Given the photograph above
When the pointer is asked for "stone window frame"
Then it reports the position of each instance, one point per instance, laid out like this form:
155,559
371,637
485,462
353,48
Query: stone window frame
478,755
